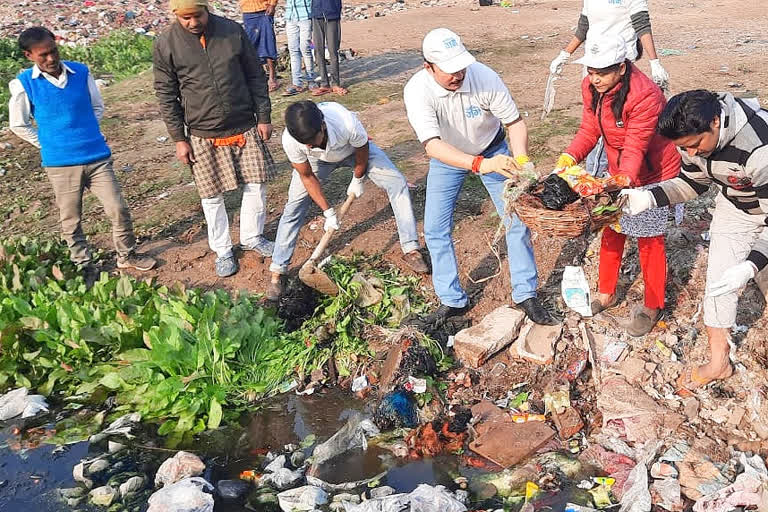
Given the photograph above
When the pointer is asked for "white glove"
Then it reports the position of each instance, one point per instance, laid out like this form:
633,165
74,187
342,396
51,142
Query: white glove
355,187
637,200
659,74
331,221
734,279
556,67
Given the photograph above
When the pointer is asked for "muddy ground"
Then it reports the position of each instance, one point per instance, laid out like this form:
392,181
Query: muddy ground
716,44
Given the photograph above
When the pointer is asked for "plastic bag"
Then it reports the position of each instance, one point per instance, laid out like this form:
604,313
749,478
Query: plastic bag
396,409
188,495
302,498
555,193
351,436
581,182
426,498
20,402
575,291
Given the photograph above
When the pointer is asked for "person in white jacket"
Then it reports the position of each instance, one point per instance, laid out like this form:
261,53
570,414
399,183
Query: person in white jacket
626,18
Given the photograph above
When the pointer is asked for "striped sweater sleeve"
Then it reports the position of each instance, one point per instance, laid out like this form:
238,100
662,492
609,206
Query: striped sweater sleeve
689,184
757,169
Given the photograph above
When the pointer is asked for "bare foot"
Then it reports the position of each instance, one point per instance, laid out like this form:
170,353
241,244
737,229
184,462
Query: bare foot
337,89
716,369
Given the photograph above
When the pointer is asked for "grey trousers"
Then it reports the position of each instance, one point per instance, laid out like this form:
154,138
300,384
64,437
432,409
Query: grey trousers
69,183
327,33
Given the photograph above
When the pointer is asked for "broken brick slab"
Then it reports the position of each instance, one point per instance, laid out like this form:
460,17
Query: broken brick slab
391,367
476,344
509,443
568,423
487,416
536,343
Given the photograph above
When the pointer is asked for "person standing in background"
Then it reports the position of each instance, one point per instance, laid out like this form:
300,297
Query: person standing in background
259,22
326,32
607,18
66,106
298,31
213,97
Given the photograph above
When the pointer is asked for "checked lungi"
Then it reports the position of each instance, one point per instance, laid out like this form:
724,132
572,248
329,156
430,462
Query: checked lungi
219,169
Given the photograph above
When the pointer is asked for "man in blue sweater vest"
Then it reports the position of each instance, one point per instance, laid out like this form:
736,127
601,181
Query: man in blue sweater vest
66,106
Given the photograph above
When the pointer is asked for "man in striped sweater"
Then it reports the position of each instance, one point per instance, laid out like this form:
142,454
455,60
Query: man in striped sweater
724,142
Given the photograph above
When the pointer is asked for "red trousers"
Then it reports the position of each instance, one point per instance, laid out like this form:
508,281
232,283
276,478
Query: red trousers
653,261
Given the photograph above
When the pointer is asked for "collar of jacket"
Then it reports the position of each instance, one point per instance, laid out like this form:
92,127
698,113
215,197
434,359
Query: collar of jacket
209,33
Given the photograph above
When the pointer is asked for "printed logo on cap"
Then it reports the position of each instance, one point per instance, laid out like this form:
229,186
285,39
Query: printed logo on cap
450,43
595,49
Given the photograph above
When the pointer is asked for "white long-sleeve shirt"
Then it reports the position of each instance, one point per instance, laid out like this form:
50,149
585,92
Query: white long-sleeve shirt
20,110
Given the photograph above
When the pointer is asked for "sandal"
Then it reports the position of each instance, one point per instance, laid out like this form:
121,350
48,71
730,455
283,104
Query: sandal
320,91
293,90
337,89
273,85
690,381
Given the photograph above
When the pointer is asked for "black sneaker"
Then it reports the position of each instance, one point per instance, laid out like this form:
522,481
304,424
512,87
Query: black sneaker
442,314
90,273
536,312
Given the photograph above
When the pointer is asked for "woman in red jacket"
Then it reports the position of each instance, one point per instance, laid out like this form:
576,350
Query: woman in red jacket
622,105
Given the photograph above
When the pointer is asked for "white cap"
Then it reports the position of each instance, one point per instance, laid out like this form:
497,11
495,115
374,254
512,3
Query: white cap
604,52
443,47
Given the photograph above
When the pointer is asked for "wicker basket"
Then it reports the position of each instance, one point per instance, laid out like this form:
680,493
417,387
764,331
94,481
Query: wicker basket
570,222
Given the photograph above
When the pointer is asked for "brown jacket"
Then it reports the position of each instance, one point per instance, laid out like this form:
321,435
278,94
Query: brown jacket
216,91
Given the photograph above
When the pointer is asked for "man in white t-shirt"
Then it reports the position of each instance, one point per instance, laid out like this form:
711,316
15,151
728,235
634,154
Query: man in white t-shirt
318,139
461,112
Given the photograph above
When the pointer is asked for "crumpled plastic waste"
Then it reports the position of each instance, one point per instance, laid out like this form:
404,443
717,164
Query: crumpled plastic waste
367,294
179,467
666,494
351,436
426,498
637,498
188,495
396,409
346,486
302,498
20,402
749,490
391,503
555,193
121,426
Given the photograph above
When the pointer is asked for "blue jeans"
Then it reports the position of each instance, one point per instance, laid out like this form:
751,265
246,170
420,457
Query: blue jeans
382,172
299,35
444,183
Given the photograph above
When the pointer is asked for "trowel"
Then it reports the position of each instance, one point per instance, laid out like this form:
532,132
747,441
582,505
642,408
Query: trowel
309,273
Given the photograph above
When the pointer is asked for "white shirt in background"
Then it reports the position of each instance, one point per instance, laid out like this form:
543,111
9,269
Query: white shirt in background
20,110
345,134
612,18
468,118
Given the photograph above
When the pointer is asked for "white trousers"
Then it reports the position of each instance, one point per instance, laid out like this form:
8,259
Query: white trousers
732,233
253,213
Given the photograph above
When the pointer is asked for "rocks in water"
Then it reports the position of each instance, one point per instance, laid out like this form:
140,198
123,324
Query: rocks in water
103,496
302,498
97,466
187,495
72,492
180,466
78,473
132,485
233,491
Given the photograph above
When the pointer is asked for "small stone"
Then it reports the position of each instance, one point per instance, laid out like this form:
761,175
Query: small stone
650,367
97,466
736,416
691,408
79,476
115,447
561,346
345,496
381,492
180,466
130,486
633,368
72,492
73,502
568,423
103,496
535,342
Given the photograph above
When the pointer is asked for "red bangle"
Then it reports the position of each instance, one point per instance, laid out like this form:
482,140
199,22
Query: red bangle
476,163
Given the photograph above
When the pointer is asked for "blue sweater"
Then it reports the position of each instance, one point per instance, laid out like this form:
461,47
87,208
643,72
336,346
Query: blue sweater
67,127
328,9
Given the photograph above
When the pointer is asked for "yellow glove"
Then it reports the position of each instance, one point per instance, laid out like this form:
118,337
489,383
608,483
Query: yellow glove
525,163
564,161
501,164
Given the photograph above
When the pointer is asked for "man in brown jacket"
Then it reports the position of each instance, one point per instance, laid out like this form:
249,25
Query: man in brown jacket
213,98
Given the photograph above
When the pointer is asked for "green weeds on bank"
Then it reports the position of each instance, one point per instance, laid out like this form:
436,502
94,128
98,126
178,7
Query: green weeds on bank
120,54
186,359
